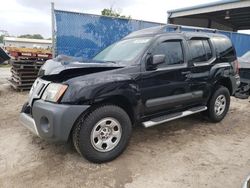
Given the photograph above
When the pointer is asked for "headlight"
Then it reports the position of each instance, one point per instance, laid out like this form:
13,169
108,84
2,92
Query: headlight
54,92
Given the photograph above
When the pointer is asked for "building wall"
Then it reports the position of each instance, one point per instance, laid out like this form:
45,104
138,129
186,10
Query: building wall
199,22
27,44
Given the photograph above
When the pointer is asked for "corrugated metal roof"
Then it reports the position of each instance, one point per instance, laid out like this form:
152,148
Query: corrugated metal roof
229,15
206,5
39,41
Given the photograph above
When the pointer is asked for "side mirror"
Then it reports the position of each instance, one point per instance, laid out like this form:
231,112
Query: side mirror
158,59
155,60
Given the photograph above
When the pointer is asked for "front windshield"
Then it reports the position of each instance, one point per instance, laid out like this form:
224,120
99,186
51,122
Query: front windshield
125,50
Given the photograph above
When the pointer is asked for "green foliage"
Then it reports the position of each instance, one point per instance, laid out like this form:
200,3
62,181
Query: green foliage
1,38
34,36
114,13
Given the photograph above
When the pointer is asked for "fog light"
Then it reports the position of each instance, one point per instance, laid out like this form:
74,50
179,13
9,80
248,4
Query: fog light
45,126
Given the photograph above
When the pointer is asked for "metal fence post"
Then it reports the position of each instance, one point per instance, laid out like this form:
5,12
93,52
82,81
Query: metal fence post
53,29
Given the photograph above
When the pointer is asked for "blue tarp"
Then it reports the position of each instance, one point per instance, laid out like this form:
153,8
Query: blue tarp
84,35
241,43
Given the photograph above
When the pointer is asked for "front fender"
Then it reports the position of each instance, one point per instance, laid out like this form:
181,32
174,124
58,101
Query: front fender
88,91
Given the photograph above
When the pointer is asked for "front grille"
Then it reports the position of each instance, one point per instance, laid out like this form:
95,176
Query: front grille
41,89
37,90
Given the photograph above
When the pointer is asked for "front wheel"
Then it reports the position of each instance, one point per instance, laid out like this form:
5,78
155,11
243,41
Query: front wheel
219,104
102,135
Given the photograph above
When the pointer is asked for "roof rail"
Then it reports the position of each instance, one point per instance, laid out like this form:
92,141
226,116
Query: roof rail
179,28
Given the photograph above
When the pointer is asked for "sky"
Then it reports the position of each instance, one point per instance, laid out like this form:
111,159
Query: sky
34,16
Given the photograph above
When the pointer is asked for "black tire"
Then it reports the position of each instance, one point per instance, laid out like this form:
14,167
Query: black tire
83,131
211,112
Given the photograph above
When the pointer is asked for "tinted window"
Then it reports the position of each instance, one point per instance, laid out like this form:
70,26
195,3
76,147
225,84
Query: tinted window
200,50
172,50
124,50
207,49
224,48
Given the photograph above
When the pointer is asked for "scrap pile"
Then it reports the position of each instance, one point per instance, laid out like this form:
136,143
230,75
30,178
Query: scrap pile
26,63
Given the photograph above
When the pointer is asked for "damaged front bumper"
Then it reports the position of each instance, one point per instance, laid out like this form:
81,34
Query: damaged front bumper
51,121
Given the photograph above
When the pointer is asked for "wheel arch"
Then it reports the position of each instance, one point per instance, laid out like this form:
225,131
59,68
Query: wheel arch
226,82
121,101
118,100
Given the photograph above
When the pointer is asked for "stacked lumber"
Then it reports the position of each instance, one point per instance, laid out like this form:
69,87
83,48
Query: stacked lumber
25,67
29,54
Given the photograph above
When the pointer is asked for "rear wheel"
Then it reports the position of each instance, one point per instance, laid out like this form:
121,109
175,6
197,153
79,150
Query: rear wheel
102,135
219,104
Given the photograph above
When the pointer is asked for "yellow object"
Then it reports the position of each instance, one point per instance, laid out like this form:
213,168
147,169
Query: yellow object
28,50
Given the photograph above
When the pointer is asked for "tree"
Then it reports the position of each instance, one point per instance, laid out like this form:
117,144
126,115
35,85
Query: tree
29,36
114,13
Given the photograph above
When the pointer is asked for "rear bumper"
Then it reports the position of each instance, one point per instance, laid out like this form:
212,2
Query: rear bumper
235,80
52,121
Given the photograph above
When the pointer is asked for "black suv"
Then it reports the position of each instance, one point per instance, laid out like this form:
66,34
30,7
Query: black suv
148,78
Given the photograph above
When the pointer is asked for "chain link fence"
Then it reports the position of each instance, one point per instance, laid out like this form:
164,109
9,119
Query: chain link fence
84,35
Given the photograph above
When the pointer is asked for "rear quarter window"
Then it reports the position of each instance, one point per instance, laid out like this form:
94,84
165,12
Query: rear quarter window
224,48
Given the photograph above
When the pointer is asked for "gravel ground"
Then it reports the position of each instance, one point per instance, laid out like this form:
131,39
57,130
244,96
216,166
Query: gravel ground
4,75
189,152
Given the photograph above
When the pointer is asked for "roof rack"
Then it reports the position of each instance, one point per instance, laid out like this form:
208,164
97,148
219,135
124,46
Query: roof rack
169,28
180,28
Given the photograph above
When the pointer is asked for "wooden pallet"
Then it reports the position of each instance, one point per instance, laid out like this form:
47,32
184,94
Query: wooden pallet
19,87
29,54
22,81
27,61
24,74
26,68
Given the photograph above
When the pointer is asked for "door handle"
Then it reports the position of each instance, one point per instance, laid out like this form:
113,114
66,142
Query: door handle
186,72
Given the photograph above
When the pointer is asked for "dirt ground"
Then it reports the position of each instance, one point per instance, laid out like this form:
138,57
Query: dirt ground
189,152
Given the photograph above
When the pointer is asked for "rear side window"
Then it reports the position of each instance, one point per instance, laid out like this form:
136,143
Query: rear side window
173,52
200,50
208,49
224,48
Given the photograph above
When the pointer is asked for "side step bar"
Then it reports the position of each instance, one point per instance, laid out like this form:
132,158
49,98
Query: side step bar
170,117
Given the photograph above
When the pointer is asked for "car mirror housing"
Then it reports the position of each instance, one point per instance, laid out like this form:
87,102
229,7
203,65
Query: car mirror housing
155,60
158,59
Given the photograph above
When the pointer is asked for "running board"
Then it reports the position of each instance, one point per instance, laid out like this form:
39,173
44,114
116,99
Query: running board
170,117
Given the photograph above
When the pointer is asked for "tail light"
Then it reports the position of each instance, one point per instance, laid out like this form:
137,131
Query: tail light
236,66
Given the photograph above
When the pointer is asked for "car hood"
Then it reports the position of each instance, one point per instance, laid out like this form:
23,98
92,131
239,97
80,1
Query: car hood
66,64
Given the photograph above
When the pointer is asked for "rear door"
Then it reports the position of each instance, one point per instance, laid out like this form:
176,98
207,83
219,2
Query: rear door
202,57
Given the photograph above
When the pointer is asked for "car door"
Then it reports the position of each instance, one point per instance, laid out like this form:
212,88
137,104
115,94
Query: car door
202,58
166,87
